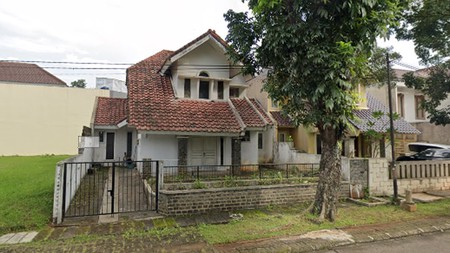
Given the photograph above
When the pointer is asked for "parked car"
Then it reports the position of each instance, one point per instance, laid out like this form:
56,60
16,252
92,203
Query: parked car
416,147
429,154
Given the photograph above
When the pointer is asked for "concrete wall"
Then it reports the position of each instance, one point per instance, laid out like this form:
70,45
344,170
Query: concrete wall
249,149
120,144
432,133
284,154
227,199
158,147
265,155
39,120
417,176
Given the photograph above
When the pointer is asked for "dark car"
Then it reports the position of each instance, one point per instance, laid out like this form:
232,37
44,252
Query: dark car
429,154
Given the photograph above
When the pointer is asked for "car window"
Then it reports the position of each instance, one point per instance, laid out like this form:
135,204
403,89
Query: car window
426,153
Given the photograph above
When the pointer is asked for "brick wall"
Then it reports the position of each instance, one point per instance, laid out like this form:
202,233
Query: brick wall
227,199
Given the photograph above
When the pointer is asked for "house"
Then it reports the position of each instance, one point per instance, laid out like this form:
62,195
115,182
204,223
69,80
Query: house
40,113
406,102
307,141
185,107
25,73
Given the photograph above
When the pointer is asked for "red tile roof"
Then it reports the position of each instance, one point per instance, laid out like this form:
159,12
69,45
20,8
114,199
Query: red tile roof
110,111
154,107
27,73
282,120
261,110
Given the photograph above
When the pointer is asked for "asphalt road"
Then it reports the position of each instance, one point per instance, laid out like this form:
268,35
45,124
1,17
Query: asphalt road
434,243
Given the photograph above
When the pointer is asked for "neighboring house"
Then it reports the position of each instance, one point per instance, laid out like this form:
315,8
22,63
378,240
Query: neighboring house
112,84
406,102
361,146
25,73
40,113
185,107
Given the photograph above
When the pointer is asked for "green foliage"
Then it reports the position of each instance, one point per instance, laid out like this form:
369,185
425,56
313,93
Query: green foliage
26,191
427,24
229,181
80,83
374,136
198,185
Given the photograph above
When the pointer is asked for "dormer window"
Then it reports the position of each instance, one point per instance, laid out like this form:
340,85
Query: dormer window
234,92
203,91
220,89
187,88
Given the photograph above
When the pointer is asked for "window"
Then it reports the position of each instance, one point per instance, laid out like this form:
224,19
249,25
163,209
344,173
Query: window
234,92
204,90
260,141
281,137
246,137
420,112
401,105
274,104
203,73
220,90
100,136
187,88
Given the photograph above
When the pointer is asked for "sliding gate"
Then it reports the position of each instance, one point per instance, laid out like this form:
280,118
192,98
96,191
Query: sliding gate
109,187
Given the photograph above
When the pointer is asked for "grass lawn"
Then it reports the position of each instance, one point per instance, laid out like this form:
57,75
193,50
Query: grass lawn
26,191
283,221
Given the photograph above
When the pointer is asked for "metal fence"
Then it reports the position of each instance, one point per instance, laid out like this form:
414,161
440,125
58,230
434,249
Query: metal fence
95,188
252,171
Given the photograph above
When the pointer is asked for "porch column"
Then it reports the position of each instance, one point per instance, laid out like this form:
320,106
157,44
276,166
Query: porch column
182,150
236,154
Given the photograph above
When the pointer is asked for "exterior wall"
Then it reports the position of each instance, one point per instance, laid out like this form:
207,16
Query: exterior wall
227,199
249,149
120,144
284,154
305,140
158,147
432,133
265,155
42,119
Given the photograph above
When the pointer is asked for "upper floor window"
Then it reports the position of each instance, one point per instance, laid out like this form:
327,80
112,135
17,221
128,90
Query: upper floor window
187,88
203,91
203,73
274,104
220,89
401,105
234,92
420,112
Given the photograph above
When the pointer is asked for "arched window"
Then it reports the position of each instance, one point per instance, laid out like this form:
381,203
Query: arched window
203,73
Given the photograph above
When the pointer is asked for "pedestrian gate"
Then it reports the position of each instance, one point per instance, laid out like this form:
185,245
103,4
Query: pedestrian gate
98,188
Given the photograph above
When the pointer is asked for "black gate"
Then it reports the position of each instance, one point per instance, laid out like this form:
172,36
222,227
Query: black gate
109,187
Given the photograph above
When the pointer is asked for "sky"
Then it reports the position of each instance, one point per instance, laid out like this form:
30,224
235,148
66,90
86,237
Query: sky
113,31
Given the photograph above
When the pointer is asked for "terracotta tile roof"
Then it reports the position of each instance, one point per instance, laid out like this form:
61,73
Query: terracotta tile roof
27,73
261,110
153,106
248,113
110,111
380,125
281,120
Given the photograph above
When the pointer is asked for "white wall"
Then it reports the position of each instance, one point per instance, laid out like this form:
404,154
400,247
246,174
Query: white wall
158,147
284,154
265,155
120,144
249,149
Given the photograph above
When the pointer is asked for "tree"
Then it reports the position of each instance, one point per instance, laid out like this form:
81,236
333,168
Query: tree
427,23
316,52
80,83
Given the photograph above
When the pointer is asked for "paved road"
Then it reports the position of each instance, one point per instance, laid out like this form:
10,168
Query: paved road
435,242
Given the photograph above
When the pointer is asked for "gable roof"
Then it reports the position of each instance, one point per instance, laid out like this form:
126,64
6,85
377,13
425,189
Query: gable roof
110,111
18,72
382,124
154,107
281,119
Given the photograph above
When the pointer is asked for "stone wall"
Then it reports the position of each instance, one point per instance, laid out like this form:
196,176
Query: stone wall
228,199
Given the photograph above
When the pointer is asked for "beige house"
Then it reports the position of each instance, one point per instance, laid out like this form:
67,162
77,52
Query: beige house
406,103
40,113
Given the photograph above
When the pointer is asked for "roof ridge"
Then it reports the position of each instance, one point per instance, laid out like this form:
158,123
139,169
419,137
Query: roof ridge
256,110
237,115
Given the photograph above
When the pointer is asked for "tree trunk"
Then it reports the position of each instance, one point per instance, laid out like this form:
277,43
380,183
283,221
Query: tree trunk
328,188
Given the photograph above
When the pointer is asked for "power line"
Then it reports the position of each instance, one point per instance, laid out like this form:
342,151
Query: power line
68,62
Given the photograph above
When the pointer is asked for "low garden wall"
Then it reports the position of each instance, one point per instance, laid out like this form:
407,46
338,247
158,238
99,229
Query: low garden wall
181,202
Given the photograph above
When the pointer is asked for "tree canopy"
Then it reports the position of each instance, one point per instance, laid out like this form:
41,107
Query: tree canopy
80,83
427,24
316,52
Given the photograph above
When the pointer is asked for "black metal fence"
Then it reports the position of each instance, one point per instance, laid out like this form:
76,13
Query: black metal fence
252,171
95,188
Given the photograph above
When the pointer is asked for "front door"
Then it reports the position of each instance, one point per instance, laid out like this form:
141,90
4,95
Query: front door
203,151
109,145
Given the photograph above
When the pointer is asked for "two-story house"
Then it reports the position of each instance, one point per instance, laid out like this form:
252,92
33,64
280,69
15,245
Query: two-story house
185,107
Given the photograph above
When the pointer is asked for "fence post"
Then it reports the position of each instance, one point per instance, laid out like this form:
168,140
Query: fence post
157,185
64,192
287,171
198,172
312,170
260,172
112,187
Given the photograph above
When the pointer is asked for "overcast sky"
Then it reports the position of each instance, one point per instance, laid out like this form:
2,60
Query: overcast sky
112,31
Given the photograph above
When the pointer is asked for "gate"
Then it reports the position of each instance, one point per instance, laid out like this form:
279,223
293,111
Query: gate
98,188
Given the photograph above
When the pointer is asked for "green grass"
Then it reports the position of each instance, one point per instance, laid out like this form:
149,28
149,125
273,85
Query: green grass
284,221
26,191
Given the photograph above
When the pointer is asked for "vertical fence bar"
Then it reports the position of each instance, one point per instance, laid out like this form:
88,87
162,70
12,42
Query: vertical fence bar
287,171
260,172
112,187
64,191
198,172
157,186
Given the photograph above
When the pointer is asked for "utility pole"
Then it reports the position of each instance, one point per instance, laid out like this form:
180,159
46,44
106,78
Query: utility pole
391,121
